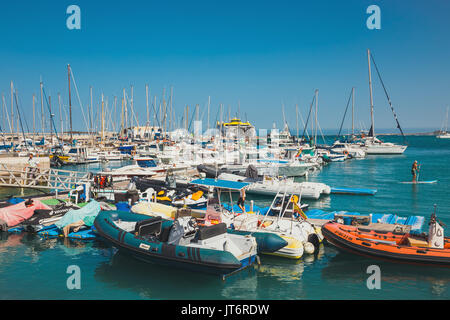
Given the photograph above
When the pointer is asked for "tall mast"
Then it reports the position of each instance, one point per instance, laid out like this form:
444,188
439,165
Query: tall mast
171,109
154,113
315,126
296,118
12,108
42,110
121,120
90,109
34,120
132,108
102,121
353,111
51,118
70,104
60,116
126,111
209,105
371,97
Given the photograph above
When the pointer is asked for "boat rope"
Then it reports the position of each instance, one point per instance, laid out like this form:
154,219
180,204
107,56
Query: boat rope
52,121
79,101
345,113
309,115
388,98
20,119
7,114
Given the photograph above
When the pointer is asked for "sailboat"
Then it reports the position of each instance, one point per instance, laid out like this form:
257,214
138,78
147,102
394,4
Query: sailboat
444,134
371,143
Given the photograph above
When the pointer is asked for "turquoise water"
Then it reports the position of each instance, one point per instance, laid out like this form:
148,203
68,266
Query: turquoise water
32,268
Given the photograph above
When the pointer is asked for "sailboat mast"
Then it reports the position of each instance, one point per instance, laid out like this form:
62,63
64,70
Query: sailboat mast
60,115
51,118
371,97
34,119
102,121
296,118
315,126
12,109
353,111
42,110
209,105
70,105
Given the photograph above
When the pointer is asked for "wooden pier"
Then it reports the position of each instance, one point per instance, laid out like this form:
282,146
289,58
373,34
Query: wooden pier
51,179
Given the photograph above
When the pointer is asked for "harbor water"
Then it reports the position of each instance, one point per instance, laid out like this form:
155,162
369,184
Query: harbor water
34,268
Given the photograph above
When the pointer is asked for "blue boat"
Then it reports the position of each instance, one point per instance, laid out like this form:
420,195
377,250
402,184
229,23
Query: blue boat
179,243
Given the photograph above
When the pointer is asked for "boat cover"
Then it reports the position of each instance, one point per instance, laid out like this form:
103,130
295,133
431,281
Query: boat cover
15,214
86,213
222,184
416,222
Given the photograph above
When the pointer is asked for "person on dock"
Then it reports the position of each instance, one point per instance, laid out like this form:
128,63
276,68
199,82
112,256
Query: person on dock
32,167
414,170
241,200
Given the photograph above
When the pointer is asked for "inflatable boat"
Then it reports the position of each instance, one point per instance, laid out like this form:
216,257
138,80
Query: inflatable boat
177,243
15,214
46,217
397,247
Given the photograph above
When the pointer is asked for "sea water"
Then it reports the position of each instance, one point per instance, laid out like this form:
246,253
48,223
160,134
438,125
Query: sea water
33,268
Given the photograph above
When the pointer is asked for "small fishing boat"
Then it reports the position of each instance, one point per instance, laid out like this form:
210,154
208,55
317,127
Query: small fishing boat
289,223
270,186
431,249
178,243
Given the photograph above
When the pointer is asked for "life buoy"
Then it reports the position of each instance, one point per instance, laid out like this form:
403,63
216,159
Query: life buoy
346,152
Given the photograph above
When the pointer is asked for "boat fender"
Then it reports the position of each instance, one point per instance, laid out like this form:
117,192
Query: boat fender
314,239
309,247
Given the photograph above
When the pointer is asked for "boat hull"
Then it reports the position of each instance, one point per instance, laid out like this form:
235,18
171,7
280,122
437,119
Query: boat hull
373,246
185,257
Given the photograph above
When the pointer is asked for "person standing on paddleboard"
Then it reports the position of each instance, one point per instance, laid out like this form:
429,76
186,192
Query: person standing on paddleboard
414,171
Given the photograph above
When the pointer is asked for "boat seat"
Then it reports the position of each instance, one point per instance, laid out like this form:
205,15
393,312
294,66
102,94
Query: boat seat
148,227
211,231
164,235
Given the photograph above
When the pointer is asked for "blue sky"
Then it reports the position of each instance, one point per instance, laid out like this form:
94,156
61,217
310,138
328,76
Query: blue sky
260,53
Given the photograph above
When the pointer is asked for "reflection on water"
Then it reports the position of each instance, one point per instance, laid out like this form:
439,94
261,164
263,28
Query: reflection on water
352,269
153,281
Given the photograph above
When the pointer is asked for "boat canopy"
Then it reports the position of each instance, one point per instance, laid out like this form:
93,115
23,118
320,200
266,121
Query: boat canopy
220,184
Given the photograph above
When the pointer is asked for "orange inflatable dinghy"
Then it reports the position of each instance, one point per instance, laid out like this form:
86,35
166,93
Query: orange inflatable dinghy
387,245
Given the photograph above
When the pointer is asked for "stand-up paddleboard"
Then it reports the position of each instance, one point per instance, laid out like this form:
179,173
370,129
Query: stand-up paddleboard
419,182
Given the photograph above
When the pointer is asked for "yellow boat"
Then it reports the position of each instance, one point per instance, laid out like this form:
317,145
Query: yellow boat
235,122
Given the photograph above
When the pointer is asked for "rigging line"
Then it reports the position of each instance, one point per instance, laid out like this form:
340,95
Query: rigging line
192,118
303,122
387,96
133,114
51,115
20,120
79,101
345,113
323,136
307,119
6,111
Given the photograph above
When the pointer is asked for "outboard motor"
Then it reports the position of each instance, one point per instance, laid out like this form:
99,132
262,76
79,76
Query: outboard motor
435,232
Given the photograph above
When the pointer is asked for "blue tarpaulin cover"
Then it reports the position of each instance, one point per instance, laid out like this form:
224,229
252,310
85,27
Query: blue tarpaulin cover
222,184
